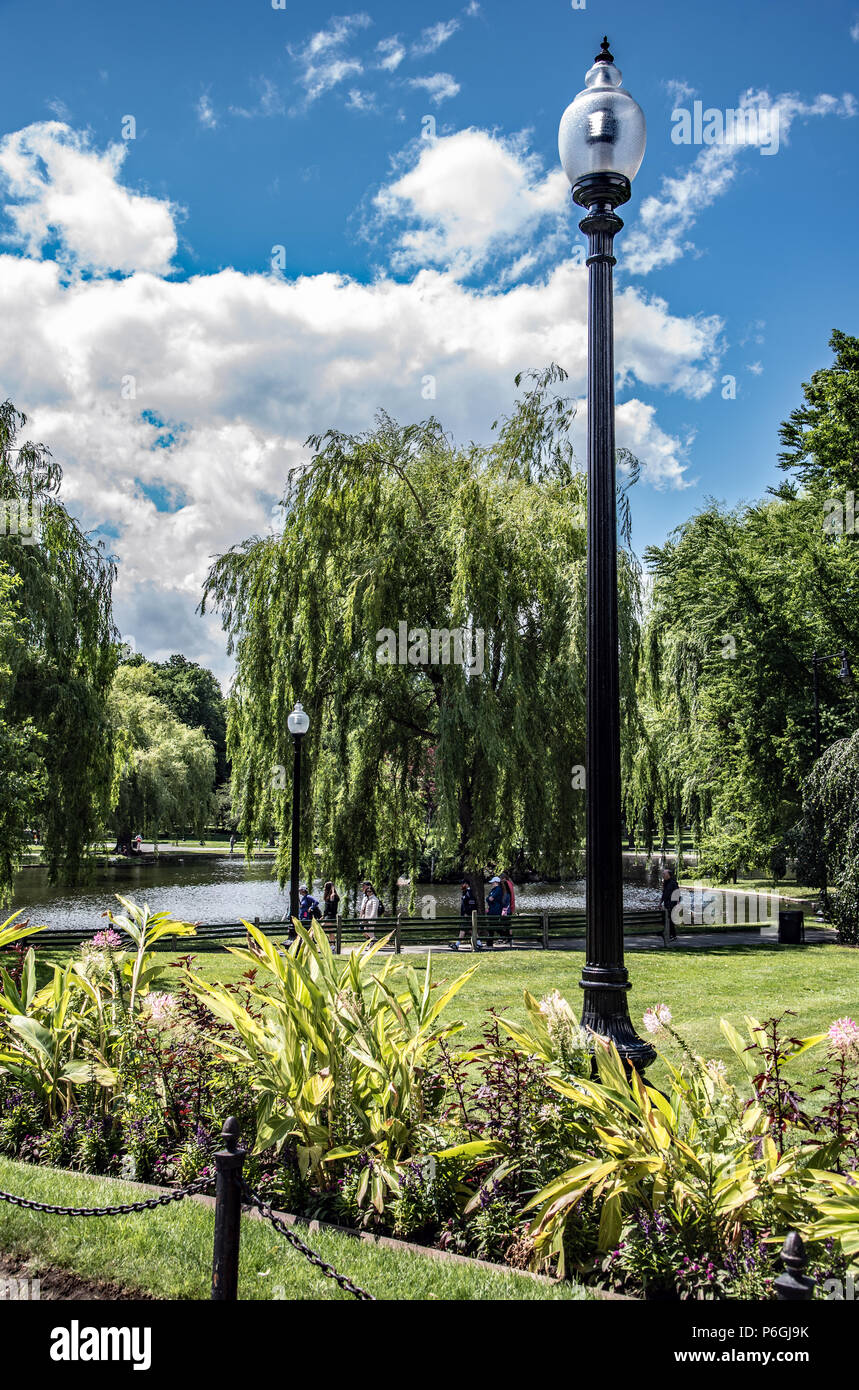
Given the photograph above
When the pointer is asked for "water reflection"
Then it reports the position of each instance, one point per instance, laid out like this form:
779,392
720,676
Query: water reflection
224,890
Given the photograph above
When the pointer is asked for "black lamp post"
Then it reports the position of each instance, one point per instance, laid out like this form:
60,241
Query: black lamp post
601,143
298,723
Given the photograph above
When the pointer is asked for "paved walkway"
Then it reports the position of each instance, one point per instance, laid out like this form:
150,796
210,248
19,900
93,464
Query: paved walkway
695,941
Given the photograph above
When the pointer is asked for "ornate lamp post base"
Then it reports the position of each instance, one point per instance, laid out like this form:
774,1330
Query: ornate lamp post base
605,1012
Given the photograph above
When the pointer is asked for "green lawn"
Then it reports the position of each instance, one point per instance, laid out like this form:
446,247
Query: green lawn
820,983
168,1252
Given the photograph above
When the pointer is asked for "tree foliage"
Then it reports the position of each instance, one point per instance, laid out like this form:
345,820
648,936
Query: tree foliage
58,660
399,525
165,770
828,833
741,600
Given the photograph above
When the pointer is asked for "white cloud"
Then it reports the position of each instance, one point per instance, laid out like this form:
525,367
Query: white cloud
361,101
321,60
249,364
57,186
269,103
431,39
679,90
206,112
854,31
756,368
58,108
440,86
391,53
660,236
472,196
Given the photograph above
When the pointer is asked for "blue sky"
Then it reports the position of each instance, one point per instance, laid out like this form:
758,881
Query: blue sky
177,370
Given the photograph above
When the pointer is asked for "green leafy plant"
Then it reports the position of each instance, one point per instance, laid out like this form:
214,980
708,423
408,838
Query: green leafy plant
340,1057
702,1153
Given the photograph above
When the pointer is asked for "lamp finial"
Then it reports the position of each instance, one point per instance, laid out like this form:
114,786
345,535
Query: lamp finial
604,56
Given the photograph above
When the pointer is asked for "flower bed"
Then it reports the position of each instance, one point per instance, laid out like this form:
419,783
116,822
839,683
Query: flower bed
362,1108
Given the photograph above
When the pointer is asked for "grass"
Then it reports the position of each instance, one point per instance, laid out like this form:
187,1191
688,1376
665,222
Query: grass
819,983
168,1252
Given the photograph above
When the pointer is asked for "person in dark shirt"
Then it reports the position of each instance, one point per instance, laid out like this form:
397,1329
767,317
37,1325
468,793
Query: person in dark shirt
670,899
467,905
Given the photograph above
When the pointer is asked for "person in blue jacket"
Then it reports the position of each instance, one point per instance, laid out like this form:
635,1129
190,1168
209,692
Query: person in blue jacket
494,904
308,907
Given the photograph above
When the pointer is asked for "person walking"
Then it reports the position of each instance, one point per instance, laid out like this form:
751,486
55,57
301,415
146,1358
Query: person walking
467,905
369,909
494,904
508,903
232,844
308,907
670,900
330,906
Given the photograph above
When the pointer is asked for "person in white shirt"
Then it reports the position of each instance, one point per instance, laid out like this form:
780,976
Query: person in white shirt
369,909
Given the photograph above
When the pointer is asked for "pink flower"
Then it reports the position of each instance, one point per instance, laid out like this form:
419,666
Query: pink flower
108,938
844,1036
656,1016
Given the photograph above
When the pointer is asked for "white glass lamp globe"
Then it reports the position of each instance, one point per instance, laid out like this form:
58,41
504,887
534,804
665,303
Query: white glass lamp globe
298,721
603,130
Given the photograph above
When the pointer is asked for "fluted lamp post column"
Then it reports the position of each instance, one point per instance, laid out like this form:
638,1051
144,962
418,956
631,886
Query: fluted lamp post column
601,143
298,722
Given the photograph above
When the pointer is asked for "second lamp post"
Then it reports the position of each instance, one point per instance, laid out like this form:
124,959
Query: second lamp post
601,143
298,723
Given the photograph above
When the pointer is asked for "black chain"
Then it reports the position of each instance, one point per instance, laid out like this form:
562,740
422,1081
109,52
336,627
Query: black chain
328,1270
149,1205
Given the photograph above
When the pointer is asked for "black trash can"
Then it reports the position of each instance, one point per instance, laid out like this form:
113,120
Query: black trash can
791,927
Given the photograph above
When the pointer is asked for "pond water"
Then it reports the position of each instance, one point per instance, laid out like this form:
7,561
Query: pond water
225,890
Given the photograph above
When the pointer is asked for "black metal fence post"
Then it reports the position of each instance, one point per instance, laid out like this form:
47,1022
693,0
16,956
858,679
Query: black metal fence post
228,1214
794,1286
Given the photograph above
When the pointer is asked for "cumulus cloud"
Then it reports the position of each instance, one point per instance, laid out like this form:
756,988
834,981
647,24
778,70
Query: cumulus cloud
208,386
470,196
57,187
661,233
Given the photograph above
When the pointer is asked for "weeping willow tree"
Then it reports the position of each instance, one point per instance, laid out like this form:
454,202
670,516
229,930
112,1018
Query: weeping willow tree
392,541
165,769
827,836
58,661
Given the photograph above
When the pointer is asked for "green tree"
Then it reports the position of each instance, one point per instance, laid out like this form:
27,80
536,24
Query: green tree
165,770
741,600
821,437
400,526
193,695
828,832
58,665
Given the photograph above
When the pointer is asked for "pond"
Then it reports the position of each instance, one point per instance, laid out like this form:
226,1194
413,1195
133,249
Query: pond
225,890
